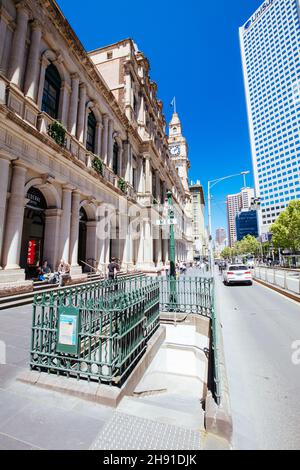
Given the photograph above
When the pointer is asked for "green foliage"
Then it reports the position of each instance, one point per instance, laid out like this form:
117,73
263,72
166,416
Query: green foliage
122,185
58,133
286,229
98,166
226,253
249,245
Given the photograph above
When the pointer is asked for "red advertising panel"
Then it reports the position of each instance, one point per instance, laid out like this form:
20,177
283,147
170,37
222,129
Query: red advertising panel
31,252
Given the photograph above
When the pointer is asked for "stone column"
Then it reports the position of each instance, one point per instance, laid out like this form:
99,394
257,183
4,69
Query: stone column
128,251
148,175
99,128
166,250
141,111
157,181
3,30
107,244
101,246
14,219
128,87
110,142
141,188
18,45
105,139
159,248
65,92
81,113
140,254
4,174
31,78
51,241
127,158
148,244
120,161
74,232
73,104
65,223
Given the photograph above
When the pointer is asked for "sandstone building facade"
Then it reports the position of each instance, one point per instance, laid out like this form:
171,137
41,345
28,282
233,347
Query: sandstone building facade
85,161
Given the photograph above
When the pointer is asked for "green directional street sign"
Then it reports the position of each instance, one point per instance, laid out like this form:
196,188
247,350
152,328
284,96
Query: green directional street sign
160,222
68,330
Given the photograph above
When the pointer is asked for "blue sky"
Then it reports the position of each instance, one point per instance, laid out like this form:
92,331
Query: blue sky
193,48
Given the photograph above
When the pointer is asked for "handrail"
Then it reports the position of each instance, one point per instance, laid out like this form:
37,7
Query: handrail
278,268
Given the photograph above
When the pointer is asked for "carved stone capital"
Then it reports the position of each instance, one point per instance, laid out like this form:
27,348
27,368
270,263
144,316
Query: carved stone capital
36,25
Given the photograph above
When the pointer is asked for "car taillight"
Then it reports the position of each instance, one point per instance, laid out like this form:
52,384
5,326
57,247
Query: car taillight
230,274
248,272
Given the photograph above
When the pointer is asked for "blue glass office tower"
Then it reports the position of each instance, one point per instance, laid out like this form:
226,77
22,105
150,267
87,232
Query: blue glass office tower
246,224
270,46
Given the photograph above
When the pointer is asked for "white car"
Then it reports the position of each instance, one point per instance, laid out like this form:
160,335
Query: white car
237,273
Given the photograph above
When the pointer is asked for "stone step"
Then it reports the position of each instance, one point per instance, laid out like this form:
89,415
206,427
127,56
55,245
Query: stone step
18,300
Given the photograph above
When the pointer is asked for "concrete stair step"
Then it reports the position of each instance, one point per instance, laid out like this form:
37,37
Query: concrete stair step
189,415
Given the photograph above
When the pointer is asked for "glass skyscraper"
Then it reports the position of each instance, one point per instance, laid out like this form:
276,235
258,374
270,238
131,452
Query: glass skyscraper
270,45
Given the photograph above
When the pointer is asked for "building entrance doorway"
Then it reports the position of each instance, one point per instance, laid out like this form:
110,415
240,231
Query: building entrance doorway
33,233
82,238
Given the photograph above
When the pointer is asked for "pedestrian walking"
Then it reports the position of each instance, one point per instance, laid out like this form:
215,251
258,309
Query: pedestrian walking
113,269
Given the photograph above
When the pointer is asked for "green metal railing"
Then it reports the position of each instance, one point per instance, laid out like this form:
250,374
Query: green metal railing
215,384
115,322
193,295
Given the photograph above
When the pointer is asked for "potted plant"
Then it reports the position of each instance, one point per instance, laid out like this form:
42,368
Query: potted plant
122,185
57,132
98,166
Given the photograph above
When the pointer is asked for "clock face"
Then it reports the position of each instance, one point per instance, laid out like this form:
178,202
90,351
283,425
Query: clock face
175,150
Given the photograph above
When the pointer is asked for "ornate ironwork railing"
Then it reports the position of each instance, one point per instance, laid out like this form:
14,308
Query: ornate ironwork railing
96,332
193,295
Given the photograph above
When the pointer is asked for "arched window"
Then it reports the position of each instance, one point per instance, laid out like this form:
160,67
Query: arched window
91,132
116,158
51,93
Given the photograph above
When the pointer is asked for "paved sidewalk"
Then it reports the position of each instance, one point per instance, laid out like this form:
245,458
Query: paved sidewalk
35,418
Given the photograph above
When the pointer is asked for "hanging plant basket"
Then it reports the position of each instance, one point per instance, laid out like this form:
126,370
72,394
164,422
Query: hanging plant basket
58,133
98,166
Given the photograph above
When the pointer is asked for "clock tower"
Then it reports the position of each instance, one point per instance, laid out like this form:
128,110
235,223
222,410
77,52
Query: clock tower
179,151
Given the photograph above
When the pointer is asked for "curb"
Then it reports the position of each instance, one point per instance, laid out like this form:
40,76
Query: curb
277,289
218,419
92,391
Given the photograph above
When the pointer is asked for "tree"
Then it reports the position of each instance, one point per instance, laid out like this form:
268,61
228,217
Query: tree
249,245
226,253
286,229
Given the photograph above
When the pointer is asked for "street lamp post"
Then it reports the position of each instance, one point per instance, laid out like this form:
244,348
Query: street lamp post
172,253
211,184
256,205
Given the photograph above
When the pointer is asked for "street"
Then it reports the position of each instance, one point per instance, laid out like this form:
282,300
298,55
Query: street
259,328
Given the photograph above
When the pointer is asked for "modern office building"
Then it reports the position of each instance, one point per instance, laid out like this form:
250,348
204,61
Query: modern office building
246,224
220,236
270,44
235,203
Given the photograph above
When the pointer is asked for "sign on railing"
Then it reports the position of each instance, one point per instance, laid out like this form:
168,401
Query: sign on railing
98,331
